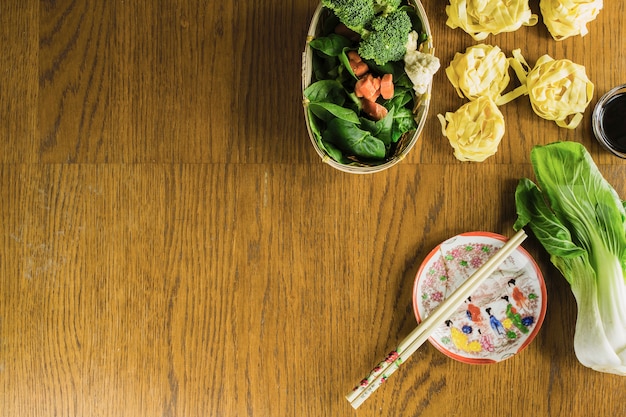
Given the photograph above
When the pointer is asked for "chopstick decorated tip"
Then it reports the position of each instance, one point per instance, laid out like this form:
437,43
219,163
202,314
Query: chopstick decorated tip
381,372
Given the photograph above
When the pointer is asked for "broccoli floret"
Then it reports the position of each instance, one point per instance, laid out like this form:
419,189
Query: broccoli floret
386,6
386,40
355,14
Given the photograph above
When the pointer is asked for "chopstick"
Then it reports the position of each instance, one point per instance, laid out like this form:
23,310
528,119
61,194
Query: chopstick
417,337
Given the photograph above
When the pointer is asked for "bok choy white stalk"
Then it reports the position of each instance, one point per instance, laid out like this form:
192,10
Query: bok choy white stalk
579,219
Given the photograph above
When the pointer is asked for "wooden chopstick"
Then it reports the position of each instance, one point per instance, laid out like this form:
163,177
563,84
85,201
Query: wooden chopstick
422,332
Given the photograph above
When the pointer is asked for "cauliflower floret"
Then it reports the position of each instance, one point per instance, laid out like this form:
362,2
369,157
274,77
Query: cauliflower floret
420,67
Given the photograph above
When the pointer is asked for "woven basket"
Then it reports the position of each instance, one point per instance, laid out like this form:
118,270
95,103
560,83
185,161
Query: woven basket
420,111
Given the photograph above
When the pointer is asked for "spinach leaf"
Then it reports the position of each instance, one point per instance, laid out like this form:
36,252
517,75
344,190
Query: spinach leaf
403,121
387,127
328,91
370,125
381,129
327,147
334,152
402,97
354,103
316,129
343,57
328,111
325,67
350,138
331,45
403,81
329,22
395,68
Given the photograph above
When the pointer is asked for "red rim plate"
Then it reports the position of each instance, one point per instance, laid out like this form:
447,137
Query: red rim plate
503,315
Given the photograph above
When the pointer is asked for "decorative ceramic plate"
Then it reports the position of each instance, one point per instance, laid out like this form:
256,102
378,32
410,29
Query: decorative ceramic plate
503,315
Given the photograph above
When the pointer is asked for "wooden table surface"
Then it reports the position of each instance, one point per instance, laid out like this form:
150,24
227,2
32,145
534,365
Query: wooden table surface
172,245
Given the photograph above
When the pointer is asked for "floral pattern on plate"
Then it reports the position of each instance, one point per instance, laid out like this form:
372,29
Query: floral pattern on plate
500,318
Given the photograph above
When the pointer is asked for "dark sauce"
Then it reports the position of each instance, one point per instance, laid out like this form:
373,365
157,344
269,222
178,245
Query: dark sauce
614,122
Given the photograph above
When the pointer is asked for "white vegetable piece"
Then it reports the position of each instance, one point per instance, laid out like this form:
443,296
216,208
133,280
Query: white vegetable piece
419,67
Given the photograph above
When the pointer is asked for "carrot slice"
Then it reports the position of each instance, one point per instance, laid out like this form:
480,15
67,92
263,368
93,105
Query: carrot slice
358,87
365,86
373,109
359,68
354,56
386,86
376,82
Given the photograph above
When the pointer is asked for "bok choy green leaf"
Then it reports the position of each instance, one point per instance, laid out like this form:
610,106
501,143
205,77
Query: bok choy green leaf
580,221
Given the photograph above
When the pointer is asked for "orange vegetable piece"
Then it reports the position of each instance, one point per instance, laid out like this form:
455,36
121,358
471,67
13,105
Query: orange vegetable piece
365,86
386,86
359,68
374,110
368,87
353,56
376,82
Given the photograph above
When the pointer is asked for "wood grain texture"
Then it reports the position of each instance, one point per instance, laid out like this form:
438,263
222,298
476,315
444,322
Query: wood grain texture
171,245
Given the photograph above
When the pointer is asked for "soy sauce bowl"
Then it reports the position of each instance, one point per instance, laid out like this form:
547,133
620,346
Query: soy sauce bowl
609,121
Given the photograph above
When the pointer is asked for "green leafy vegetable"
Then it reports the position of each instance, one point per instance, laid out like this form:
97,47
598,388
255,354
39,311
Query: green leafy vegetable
328,111
329,91
579,219
331,45
381,129
347,135
403,121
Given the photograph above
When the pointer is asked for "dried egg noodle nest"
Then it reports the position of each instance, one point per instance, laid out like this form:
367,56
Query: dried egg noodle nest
559,90
481,71
474,130
566,18
479,18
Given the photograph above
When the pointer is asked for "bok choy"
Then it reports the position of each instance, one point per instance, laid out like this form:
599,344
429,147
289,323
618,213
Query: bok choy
579,219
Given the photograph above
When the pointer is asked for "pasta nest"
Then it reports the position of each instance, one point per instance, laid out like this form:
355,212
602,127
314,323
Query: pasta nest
479,18
474,130
559,90
566,18
481,71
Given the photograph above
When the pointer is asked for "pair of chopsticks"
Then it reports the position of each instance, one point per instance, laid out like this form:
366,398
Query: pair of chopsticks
422,332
